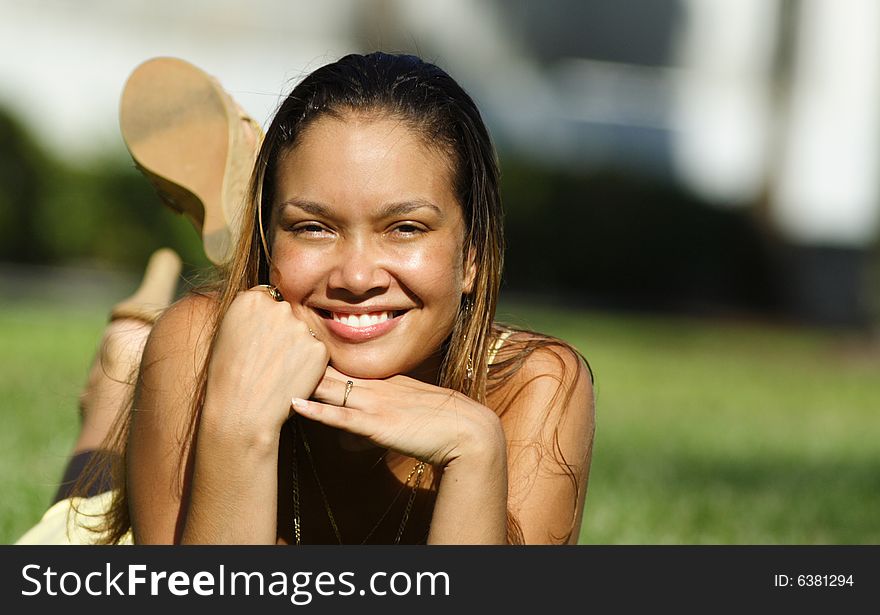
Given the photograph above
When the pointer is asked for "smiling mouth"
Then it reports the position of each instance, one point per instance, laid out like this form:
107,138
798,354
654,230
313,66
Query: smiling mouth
361,320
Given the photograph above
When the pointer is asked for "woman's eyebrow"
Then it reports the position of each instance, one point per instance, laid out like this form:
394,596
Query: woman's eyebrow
406,207
390,210
310,207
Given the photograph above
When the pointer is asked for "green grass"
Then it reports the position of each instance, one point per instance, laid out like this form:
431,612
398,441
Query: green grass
44,358
707,432
727,433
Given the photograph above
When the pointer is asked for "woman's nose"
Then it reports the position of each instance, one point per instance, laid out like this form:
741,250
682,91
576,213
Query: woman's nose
360,268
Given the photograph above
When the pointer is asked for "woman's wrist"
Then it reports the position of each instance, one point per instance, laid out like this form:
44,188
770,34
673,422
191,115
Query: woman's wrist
471,505
235,432
484,444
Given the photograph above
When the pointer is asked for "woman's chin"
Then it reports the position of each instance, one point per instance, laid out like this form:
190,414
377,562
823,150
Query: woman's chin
365,369
377,371
367,372
377,365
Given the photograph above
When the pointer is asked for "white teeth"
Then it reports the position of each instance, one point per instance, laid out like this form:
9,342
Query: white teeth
361,320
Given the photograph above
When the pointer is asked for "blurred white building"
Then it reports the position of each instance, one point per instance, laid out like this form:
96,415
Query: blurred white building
780,104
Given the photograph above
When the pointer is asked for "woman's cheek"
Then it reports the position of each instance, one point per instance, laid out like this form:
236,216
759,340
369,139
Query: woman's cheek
434,261
292,270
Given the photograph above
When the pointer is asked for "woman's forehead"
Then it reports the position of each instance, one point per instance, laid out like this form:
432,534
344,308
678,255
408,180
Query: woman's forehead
365,160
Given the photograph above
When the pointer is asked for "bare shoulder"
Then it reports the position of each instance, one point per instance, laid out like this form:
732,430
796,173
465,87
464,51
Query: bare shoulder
542,389
185,325
535,374
174,355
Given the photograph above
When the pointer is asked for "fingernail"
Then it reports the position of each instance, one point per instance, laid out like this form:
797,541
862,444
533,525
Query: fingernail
300,404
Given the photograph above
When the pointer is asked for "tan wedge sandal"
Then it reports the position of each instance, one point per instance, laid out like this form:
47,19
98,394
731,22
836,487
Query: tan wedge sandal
193,143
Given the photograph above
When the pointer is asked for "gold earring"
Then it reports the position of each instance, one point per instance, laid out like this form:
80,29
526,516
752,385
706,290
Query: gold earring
466,309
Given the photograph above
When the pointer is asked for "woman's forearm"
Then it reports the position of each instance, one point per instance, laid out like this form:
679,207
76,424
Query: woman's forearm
471,506
234,488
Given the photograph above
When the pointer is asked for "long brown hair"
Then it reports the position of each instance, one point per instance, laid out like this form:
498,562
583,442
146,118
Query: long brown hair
433,105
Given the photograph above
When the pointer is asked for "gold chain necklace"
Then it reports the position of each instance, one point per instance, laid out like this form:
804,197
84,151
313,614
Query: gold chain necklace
418,471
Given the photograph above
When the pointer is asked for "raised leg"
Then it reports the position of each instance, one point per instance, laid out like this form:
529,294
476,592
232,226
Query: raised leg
197,148
109,390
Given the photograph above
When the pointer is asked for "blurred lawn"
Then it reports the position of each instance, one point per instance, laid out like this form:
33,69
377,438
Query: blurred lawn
707,432
727,433
44,358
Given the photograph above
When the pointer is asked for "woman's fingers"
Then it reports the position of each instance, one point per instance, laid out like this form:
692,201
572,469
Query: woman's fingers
263,355
411,417
336,390
362,392
348,419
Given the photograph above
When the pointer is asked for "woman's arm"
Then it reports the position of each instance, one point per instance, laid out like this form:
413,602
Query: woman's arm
547,420
159,453
490,465
548,416
471,504
437,426
227,492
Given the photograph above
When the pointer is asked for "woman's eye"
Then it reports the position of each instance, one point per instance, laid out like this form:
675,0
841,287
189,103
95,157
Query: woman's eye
407,230
310,229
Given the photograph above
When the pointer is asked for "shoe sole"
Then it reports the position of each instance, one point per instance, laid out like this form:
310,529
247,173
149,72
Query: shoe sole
182,131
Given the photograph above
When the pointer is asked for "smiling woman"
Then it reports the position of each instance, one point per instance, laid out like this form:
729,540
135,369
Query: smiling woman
385,244
369,397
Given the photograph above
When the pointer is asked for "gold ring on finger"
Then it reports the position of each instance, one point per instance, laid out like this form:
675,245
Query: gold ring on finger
348,386
273,291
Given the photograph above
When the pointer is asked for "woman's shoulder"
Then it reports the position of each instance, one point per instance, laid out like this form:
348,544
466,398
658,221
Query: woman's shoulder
173,358
529,365
184,327
534,352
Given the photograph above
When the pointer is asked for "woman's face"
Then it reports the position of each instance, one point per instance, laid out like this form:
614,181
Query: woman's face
367,244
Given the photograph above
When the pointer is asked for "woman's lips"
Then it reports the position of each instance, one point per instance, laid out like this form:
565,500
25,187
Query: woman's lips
361,327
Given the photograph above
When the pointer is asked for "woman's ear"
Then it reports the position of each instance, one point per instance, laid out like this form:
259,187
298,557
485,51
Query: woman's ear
470,272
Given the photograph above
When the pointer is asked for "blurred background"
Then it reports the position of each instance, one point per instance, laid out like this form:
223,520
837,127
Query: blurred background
692,199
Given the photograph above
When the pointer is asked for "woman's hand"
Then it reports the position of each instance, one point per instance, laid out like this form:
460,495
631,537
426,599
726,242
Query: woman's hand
435,425
416,419
263,355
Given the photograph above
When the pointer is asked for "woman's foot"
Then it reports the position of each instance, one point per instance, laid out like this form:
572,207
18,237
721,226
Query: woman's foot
194,144
110,387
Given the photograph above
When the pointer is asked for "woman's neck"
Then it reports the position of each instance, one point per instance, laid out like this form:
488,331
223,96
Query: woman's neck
428,371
